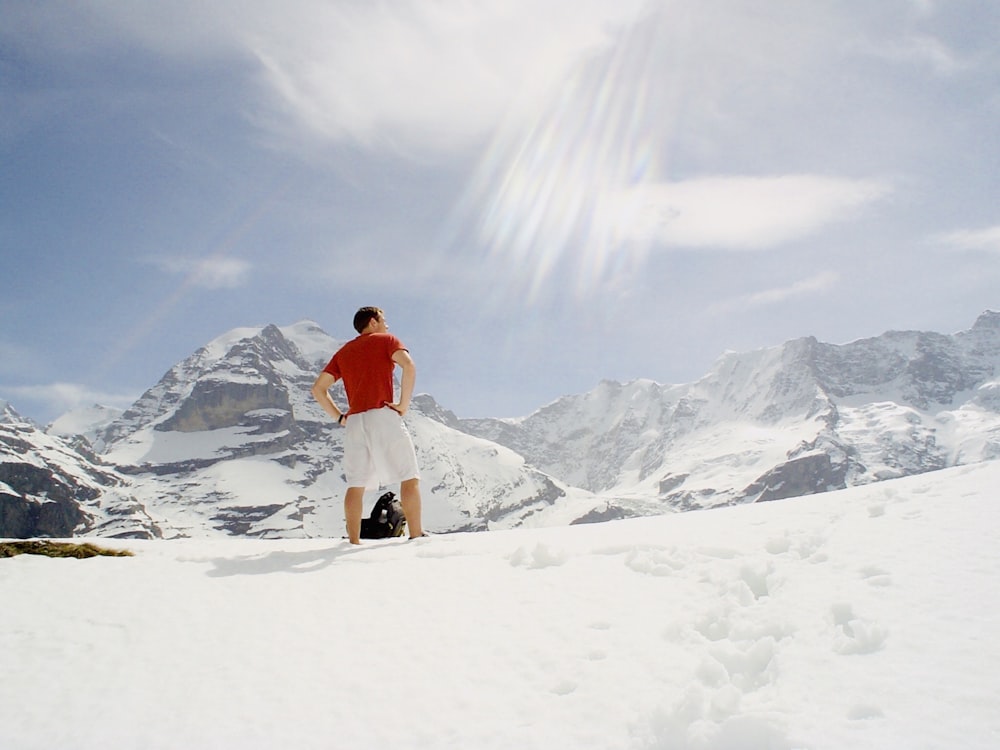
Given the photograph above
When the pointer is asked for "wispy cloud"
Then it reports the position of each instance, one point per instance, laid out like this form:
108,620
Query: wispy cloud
972,239
923,50
816,284
743,213
209,273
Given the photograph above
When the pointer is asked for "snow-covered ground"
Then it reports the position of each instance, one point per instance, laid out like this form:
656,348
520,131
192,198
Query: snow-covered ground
865,618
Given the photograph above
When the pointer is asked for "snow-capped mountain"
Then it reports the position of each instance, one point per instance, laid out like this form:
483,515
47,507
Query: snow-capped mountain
790,420
230,440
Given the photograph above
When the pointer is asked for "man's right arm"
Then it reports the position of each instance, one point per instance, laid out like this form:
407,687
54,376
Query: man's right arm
321,392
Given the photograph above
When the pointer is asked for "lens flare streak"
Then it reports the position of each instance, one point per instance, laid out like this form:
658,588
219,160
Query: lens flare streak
550,200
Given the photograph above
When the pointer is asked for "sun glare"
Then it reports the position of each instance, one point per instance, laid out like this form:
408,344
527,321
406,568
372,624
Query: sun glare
548,199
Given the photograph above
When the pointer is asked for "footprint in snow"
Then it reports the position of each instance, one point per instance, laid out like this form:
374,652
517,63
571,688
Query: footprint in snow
856,635
779,545
864,712
540,557
564,687
654,562
876,576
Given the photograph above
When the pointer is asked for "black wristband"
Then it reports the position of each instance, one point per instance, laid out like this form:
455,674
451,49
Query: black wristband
342,418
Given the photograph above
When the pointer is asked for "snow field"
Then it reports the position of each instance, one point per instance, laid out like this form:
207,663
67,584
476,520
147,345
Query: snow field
862,618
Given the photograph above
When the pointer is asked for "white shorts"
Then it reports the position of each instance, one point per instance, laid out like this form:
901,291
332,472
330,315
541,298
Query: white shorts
378,450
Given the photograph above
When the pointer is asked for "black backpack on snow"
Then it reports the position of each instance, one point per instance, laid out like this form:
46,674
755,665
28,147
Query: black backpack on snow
386,519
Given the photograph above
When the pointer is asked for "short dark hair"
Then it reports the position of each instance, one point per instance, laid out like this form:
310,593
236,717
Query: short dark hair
364,316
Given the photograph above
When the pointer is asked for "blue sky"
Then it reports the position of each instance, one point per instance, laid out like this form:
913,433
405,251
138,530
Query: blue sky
540,194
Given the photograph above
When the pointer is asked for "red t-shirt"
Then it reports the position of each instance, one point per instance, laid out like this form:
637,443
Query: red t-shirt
365,365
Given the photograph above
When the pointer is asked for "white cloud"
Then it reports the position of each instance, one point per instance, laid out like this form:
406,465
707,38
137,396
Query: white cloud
972,239
220,273
742,213
425,75
210,273
816,284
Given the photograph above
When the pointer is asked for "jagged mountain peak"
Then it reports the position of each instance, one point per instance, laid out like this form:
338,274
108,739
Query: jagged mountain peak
238,373
304,341
916,367
768,384
8,414
989,320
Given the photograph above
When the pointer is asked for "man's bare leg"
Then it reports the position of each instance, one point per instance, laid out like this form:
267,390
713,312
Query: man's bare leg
409,498
353,507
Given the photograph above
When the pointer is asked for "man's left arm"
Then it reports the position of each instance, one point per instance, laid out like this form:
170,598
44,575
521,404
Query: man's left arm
402,358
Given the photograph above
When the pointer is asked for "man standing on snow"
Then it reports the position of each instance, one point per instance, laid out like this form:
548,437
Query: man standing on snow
377,447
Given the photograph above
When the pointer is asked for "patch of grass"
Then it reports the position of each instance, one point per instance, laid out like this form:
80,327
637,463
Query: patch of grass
58,549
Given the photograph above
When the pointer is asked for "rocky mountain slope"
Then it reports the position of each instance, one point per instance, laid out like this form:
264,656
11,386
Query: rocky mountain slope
230,441
55,487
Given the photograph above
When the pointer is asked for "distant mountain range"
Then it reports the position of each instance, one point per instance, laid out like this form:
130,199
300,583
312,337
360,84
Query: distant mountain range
230,442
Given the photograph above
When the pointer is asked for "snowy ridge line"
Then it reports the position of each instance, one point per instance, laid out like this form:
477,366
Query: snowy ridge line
230,440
